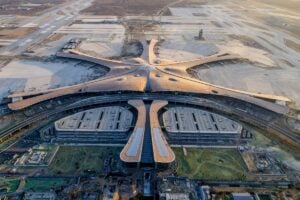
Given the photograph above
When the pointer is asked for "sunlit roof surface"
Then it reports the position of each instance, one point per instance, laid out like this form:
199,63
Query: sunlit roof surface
137,139
161,146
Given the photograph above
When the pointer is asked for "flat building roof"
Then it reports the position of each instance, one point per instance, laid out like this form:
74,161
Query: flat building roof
192,120
104,119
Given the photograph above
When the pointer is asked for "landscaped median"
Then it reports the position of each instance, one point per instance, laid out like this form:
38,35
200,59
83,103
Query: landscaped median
76,160
8,185
208,163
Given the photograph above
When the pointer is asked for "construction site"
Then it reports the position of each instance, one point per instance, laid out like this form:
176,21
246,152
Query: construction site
165,99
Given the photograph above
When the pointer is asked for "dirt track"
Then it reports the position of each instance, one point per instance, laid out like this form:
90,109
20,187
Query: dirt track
126,7
8,7
14,33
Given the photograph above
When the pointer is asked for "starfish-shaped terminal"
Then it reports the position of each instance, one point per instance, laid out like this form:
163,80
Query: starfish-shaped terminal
147,73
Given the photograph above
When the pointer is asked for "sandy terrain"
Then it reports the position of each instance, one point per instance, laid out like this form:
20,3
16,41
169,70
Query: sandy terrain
281,15
186,50
51,45
249,53
258,30
267,46
26,7
14,33
102,49
100,29
121,7
24,75
99,39
251,78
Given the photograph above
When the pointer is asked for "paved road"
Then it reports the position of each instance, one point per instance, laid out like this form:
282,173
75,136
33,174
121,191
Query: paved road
47,24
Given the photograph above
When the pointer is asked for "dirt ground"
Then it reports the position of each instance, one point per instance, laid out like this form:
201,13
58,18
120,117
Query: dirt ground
126,7
292,45
289,5
26,7
280,14
53,37
15,33
248,158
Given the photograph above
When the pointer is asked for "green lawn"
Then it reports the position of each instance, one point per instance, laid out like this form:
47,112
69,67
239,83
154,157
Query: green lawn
44,184
265,197
10,185
222,164
74,160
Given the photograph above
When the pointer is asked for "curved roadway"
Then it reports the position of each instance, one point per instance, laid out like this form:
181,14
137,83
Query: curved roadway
243,115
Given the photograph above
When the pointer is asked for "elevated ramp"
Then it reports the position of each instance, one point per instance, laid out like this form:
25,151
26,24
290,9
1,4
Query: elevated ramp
132,152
